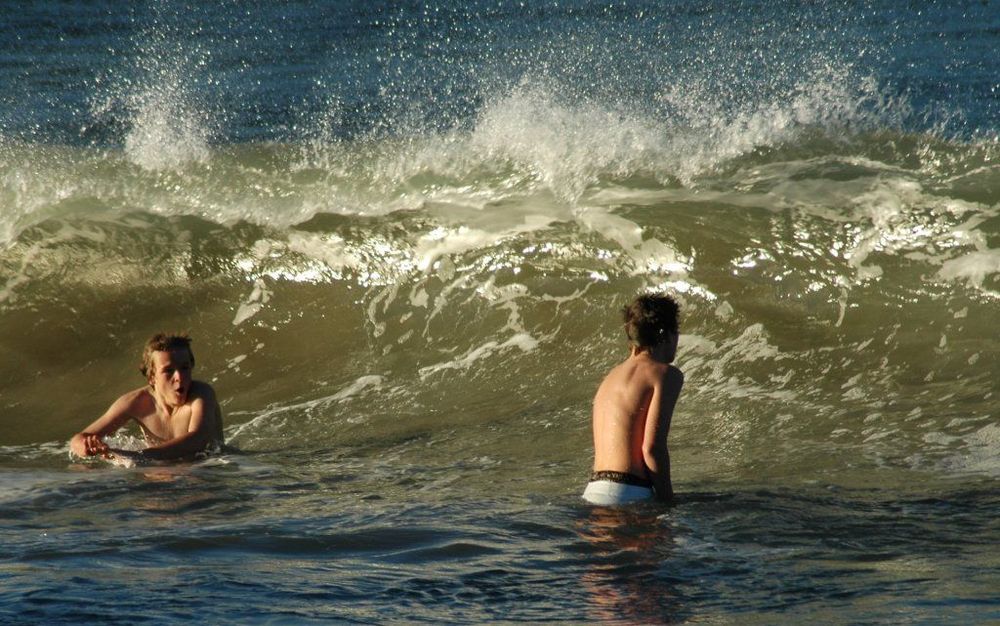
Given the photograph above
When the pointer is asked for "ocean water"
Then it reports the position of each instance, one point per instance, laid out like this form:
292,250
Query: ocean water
400,235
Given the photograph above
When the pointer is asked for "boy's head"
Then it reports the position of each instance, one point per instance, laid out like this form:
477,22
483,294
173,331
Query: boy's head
162,342
650,319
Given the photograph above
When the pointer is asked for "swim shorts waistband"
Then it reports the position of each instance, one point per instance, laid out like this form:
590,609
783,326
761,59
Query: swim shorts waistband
623,478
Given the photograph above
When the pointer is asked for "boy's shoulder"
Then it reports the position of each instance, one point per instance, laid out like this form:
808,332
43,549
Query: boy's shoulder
672,375
136,396
134,403
202,387
647,363
663,372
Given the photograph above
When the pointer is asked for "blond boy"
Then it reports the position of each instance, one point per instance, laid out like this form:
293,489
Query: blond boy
179,417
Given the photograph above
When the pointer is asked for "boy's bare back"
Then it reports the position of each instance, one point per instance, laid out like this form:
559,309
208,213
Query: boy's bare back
634,404
621,408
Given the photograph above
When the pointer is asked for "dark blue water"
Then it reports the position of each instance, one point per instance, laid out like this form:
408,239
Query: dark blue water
264,72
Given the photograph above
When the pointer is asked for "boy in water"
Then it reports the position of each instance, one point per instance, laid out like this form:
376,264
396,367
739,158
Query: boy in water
179,417
633,408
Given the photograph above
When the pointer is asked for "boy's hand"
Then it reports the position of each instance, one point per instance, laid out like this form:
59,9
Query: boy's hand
86,444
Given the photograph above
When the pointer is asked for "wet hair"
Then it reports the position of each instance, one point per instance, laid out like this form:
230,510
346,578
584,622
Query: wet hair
649,318
162,342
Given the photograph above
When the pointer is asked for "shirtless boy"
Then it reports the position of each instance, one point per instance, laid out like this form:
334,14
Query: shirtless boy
179,417
633,408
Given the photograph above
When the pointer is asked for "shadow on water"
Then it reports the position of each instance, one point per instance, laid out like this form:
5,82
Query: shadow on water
804,555
626,579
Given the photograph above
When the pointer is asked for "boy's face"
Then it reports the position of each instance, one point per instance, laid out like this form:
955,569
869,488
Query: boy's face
171,375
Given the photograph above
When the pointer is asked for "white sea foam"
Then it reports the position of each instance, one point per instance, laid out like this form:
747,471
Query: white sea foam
981,454
540,137
444,241
974,267
167,130
258,298
564,146
275,416
523,341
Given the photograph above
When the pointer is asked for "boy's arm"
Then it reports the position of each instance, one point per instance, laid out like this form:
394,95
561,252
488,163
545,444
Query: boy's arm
199,434
89,441
654,444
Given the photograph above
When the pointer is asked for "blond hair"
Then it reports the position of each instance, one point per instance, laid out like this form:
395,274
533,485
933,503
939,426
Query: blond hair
163,342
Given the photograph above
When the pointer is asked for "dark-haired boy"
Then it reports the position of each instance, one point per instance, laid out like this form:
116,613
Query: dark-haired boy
179,416
633,408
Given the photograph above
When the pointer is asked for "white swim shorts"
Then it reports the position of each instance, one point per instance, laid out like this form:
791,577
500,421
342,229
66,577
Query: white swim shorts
609,488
